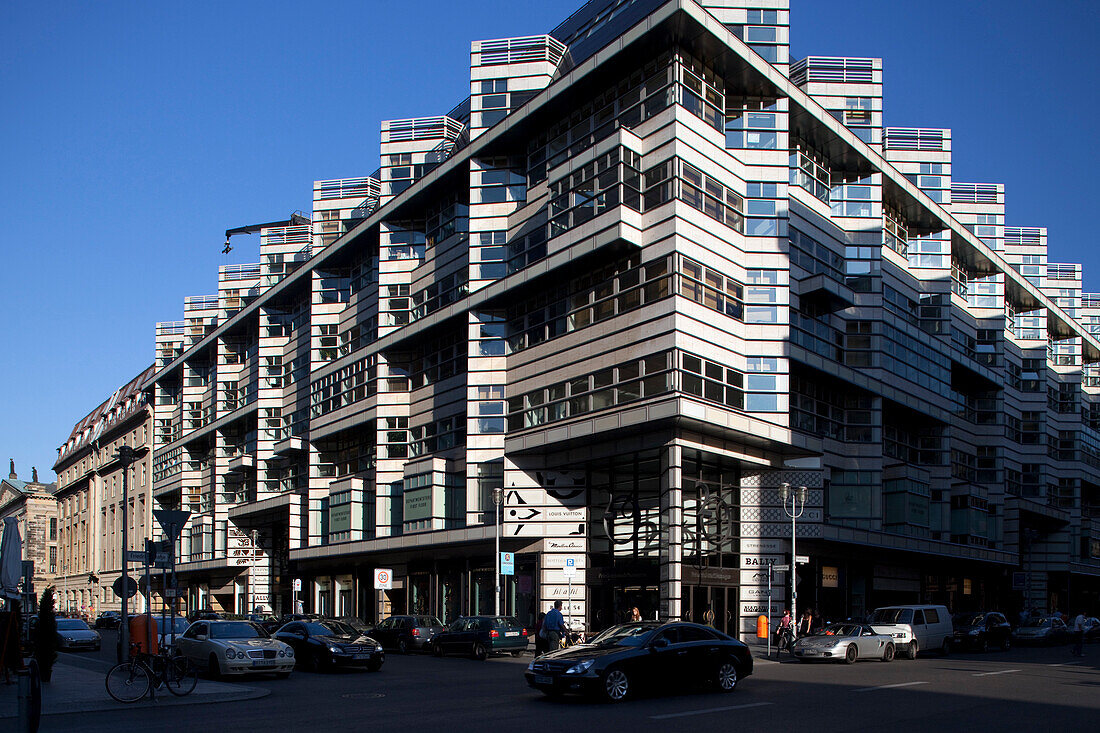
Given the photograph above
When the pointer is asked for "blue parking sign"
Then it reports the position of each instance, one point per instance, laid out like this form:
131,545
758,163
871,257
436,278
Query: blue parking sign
507,563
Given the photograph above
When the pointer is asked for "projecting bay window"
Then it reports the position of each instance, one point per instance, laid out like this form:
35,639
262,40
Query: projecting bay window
810,170
711,288
895,234
752,123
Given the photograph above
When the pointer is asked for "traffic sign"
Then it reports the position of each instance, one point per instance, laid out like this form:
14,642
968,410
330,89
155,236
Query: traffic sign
570,569
383,579
298,584
126,586
802,559
172,521
507,563
136,556
780,568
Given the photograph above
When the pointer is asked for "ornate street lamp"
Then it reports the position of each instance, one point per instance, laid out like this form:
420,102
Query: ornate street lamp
798,505
498,499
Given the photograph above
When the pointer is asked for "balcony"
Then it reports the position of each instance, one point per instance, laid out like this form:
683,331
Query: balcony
288,445
241,462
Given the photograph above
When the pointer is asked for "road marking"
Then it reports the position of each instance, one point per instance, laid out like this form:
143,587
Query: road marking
888,687
1000,671
1064,664
710,710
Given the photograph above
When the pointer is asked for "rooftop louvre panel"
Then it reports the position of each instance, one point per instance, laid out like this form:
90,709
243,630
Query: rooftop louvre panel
299,234
421,128
521,50
913,138
345,188
833,69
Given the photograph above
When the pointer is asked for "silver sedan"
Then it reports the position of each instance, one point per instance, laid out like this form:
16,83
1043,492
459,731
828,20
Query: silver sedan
845,643
235,647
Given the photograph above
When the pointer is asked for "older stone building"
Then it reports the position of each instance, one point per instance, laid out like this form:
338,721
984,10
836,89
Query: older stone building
89,499
34,505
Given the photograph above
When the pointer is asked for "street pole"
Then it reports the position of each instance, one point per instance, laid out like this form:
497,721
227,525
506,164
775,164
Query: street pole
771,574
498,499
252,569
125,456
797,497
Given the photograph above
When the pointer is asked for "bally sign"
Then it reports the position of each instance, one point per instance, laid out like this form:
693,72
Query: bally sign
748,561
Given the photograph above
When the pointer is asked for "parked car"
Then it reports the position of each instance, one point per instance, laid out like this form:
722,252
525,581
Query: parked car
358,624
1047,630
1092,629
326,644
166,627
982,630
845,643
235,647
108,620
406,633
914,627
268,622
203,614
74,633
480,636
626,659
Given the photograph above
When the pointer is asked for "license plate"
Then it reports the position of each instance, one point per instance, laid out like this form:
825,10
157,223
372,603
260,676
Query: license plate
263,663
511,633
541,679
361,655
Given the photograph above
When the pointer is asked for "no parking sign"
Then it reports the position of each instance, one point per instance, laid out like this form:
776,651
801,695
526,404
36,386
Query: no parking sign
383,579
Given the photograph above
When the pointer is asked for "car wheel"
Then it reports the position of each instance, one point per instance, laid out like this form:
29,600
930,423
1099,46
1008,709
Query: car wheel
402,646
983,645
945,648
311,663
888,653
374,665
479,653
616,685
437,650
913,649
851,654
213,667
726,677
517,652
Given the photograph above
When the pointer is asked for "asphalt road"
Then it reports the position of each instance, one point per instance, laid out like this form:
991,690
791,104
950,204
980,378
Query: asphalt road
1020,690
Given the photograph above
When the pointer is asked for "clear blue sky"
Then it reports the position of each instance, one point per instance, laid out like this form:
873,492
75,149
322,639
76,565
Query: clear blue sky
135,133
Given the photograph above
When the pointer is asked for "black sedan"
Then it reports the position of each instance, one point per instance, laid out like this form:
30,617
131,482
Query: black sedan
981,631
406,633
325,645
108,620
480,636
648,654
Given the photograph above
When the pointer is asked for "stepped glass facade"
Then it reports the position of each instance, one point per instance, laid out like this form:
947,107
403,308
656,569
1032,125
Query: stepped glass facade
650,270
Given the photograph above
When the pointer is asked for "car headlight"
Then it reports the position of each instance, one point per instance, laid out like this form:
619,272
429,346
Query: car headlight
290,651
334,649
230,653
282,653
531,667
581,667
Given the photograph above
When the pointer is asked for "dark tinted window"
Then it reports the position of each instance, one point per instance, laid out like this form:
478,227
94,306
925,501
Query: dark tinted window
428,621
694,633
195,630
918,617
931,616
672,634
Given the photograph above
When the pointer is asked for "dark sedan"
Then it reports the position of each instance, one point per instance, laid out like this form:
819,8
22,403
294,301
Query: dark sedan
325,645
406,633
108,620
480,636
648,654
981,631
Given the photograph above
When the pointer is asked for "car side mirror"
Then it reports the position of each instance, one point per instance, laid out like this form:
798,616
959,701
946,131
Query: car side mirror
660,644
200,637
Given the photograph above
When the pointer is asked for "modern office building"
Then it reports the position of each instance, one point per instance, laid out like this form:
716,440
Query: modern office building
90,499
649,272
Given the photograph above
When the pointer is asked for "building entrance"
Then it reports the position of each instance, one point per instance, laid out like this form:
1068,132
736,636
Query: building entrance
713,605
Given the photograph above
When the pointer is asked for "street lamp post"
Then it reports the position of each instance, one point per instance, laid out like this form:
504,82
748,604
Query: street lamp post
126,456
498,499
798,505
252,573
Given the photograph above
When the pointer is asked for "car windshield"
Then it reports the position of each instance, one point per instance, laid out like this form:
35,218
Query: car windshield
71,624
838,630
892,616
332,628
969,619
428,621
237,630
625,635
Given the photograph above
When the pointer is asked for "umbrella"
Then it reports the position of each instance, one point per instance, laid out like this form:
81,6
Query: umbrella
11,560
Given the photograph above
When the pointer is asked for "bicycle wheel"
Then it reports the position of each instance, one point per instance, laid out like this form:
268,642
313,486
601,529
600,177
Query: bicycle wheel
128,681
181,676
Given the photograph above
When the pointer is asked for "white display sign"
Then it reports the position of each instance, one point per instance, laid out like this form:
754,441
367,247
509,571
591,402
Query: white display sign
570,567
383,578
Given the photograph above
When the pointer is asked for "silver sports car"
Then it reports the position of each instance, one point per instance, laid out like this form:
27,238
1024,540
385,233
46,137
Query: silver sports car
845,642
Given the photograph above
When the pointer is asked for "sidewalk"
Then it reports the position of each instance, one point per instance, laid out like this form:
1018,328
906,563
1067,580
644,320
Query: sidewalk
81,689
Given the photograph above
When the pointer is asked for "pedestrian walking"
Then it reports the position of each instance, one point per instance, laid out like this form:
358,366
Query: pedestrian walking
540,635
783,632
805,624
1079,635
554,627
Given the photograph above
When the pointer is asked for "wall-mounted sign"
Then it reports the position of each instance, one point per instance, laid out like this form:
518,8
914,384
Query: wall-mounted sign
830,577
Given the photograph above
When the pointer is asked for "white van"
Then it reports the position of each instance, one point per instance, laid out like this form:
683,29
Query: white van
915,627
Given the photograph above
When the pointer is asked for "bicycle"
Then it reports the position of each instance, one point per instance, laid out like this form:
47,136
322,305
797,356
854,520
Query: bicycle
143,674
785,641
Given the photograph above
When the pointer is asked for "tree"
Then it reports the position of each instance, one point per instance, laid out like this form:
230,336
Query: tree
45,635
